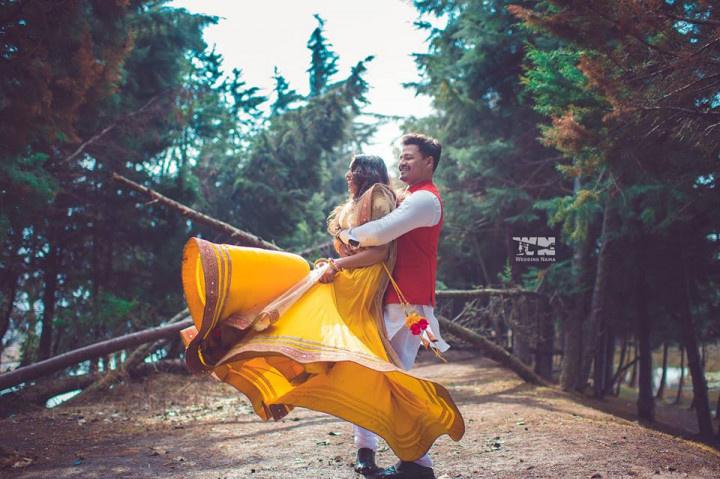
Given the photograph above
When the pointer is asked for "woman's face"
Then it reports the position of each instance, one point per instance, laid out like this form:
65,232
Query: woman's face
352,186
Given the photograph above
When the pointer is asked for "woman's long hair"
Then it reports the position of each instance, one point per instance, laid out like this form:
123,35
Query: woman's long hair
366,171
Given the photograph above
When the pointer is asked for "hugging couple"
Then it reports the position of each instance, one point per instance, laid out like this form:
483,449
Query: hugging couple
339,338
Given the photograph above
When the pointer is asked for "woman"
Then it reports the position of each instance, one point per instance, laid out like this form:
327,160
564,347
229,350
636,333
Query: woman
286,336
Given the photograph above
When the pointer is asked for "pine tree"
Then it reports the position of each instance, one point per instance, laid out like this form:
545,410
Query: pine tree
650,64
284,95
323,62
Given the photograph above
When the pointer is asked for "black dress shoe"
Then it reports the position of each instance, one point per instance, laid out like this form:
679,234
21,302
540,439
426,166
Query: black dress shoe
365,463
406,470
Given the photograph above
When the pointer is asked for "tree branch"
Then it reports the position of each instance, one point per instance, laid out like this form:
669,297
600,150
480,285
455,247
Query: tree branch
242,237
679,18
108,129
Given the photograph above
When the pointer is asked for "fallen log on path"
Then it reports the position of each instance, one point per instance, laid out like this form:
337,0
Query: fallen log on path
37,395
62,361
133,361
493,351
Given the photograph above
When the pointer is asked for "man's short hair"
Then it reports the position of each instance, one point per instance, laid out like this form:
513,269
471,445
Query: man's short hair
428,146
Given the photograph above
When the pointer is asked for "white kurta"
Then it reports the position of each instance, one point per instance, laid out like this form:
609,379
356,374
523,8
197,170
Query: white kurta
420,209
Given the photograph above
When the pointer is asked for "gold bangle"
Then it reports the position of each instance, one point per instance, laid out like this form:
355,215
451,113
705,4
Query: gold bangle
334,265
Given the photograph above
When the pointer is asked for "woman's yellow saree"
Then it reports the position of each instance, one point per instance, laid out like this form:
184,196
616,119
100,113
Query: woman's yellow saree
325,352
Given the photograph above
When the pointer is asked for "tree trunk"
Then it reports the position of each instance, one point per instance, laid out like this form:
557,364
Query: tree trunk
681,383
663,376
646,400
38,394
609,364
521,331
42,368
633,381
545,344
493,351
236,234
52,268
597,321
600,368
12,287
617,377
689,336
571,367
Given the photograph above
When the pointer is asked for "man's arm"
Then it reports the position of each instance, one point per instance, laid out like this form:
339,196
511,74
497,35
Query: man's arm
418,210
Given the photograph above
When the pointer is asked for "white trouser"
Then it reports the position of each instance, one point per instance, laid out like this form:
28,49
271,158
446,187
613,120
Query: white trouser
406,347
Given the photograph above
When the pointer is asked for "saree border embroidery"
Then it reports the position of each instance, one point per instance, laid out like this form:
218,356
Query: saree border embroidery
217,270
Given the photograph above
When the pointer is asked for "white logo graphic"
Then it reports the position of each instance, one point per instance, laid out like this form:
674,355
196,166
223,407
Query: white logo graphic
535,249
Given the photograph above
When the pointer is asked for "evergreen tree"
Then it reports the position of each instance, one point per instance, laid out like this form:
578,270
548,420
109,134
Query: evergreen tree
492,168
284,95
651,66
323,62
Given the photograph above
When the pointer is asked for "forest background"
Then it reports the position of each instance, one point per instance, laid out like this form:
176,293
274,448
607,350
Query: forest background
595,122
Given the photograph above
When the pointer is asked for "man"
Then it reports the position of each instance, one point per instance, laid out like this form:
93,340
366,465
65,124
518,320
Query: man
416,225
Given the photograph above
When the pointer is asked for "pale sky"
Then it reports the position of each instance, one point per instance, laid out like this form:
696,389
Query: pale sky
257,35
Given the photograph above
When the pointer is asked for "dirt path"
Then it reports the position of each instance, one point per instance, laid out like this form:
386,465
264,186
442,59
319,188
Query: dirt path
180,427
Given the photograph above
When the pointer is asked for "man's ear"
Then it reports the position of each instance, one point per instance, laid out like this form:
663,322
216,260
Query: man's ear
429,161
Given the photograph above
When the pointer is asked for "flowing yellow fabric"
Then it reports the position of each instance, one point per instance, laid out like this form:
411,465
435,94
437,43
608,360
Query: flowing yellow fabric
324,353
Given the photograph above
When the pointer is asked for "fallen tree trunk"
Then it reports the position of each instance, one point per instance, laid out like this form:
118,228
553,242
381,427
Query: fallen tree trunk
493,351
479,293
174,366
62,361
38,394
133,361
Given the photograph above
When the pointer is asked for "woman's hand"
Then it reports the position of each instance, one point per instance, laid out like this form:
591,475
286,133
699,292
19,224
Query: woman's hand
332,269
329,276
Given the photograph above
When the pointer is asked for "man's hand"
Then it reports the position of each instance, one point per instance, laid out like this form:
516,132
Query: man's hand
345,250
344,236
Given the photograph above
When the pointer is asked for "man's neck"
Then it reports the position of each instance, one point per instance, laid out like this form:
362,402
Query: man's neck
419,182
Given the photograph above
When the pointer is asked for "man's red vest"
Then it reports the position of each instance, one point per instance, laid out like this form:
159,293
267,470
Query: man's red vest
416,264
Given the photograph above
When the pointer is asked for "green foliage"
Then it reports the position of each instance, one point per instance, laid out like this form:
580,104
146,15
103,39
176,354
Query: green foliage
284,95
575,213
323,64
505,276
493,168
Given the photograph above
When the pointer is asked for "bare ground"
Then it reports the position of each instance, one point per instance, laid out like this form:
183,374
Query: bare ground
180,427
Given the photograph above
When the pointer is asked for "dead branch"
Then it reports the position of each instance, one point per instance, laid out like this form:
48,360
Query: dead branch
108,129
62,361
494,352
479,293
242,237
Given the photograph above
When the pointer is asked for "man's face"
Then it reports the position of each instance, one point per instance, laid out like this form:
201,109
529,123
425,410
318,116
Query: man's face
413,166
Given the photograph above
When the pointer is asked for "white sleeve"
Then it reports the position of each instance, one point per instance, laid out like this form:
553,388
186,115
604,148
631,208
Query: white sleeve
420,209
